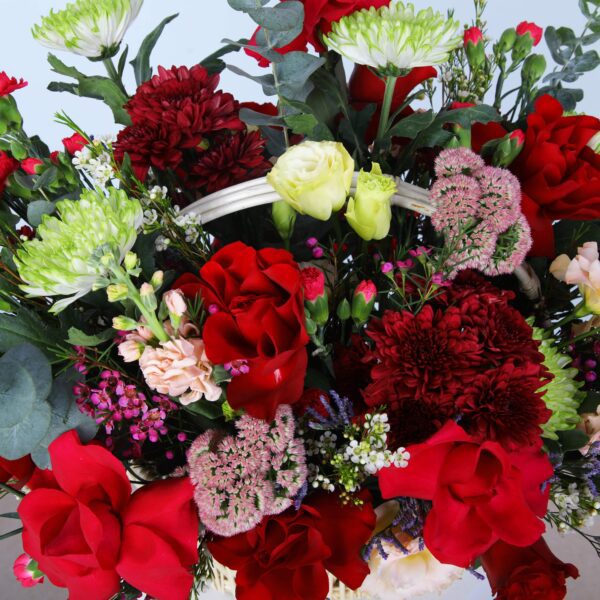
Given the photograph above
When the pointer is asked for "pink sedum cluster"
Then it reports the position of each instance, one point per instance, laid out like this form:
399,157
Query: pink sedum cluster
239,480
478,208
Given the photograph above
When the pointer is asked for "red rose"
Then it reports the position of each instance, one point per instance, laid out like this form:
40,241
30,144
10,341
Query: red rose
30,165
473,35
318,17
559,173
17,472
365,88
531,573
8,165
257,307
10,84
294,550
480,493
525,27
74,143
86,531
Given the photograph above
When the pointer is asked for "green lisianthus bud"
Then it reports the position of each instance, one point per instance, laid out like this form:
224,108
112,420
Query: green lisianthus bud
157,279
369,213
284,219
534,68
344,311
131,261
507,40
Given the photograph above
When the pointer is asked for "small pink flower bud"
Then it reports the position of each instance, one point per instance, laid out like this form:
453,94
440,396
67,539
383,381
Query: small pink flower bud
213,309
318,252
175,302
312,242
405,264
387,267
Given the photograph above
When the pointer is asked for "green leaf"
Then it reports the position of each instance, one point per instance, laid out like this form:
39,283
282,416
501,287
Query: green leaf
46,178
10,515
591,403
105,89
30,358
65,417
204,408
588,61
79,338
561,43
122,62
568,235
246,5
37,209
213,62
141,63
574,439
10,534
266,81
25,326
4,305
251,117
282,17
411,126
59,67
17,393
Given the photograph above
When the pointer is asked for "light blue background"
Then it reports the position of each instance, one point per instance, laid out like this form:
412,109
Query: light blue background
197,32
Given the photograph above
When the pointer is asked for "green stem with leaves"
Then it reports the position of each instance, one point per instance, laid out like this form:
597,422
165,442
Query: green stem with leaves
109,65
390,86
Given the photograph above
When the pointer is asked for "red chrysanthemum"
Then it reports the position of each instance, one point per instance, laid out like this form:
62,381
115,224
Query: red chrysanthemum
186,100
504,405
422,362
148,146
10,84
233,159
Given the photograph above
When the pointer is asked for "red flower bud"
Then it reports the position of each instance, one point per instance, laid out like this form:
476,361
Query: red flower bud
313,282
473,35
532,29
518,135
54,157
457,105
74,143
29,165
367,289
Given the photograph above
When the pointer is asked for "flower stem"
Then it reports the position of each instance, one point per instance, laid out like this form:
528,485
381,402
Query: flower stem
390,86
11,490
113,74
581,337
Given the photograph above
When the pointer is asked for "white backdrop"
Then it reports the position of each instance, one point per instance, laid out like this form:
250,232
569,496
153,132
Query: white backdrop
195,34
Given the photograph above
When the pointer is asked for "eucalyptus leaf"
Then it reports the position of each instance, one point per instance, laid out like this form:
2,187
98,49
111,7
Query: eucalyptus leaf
282,17
46,178
141,63
252,117
266,81
33,361
17,393
37,209
246,5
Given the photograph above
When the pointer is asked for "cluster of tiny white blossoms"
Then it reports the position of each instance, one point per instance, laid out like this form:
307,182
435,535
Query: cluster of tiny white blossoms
576,505
363,452
95,159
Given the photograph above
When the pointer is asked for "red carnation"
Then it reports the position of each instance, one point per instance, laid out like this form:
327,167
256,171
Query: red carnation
313,283
505,406
86,531
531,573
422,361
473,36
16,472
30,165
558,171
525,27
480,493
233,159
10,84
294,551
257,315
8,165
74,143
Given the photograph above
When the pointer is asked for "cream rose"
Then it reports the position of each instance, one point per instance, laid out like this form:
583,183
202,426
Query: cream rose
314,178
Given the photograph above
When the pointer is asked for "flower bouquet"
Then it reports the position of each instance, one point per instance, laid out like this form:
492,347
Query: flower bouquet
345,341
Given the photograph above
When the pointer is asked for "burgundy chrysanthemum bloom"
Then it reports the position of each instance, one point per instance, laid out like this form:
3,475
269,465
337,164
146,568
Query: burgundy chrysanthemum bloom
422,362
10,84
148,146
233,159
505,406
187,100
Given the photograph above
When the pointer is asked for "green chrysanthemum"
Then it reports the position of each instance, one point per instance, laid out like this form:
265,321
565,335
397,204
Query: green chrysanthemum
562,395
64,261
393,38
92,28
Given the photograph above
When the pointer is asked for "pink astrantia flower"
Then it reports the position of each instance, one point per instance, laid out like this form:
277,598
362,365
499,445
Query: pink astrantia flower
181,369
27,572
239,480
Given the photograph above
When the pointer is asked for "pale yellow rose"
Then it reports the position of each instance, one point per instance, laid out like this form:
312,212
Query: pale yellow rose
369,213
314,178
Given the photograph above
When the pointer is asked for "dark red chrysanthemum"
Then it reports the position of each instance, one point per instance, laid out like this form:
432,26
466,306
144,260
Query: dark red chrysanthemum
149,146
10,84
505,406
233,159
187,100
422,362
